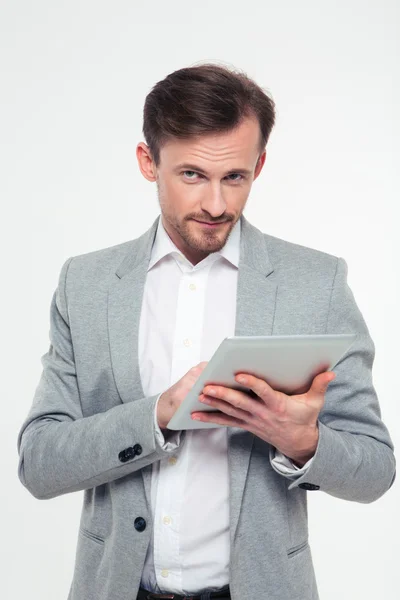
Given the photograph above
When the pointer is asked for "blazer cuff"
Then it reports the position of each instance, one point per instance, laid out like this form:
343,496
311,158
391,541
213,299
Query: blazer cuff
168,441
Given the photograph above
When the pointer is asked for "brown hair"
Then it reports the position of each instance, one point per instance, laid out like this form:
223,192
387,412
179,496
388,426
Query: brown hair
203,99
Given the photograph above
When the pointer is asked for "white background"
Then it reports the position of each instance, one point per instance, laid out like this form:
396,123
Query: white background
74,76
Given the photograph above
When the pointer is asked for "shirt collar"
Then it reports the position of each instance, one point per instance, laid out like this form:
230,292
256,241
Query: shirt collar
163,245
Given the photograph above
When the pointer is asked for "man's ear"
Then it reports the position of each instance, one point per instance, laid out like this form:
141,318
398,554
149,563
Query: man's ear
260,164
145,162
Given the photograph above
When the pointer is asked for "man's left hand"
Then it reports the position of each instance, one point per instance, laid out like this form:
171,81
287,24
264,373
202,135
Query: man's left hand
289,423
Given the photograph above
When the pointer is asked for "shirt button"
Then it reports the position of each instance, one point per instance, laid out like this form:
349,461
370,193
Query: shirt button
172,460
167,520
187,342
192,286
164,572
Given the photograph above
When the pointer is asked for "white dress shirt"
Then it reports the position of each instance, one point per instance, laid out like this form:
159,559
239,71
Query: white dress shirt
187,311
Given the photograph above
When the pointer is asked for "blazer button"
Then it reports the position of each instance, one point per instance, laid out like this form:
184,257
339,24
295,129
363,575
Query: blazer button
137,448
308,486
140,524
129,453
122,456
126,454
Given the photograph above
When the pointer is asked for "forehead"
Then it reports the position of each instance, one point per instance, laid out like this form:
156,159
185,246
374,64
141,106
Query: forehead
241,143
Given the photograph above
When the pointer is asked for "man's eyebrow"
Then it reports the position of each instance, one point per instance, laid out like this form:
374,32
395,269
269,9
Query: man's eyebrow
200,170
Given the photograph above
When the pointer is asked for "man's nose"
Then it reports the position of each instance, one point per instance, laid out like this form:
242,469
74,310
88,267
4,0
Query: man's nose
214,203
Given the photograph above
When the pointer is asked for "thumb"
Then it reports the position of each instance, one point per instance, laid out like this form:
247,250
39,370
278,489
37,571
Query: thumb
320,382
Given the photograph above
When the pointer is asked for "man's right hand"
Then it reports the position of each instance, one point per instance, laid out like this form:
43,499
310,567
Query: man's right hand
171,399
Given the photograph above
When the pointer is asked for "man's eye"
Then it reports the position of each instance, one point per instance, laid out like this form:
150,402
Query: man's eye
239,176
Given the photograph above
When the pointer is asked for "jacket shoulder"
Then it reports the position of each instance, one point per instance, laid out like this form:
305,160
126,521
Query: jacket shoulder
298,260
104,257
93,270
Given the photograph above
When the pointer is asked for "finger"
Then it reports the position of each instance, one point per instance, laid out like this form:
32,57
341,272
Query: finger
218,418
232,404
245,406
262,389
320,384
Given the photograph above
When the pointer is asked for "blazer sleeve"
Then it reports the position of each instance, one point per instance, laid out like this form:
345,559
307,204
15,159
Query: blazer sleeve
60,450
354,459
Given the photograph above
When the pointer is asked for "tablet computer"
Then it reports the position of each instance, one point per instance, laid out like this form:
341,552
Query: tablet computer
288,363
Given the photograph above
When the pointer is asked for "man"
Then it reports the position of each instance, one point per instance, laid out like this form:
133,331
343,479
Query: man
208,512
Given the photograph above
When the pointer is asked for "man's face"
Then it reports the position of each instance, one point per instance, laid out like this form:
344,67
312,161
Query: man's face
203,179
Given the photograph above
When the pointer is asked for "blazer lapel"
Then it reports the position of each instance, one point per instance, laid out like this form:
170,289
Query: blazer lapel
256,297
124,306
255,307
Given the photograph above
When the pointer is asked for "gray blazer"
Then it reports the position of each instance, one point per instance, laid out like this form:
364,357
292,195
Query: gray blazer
90,427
